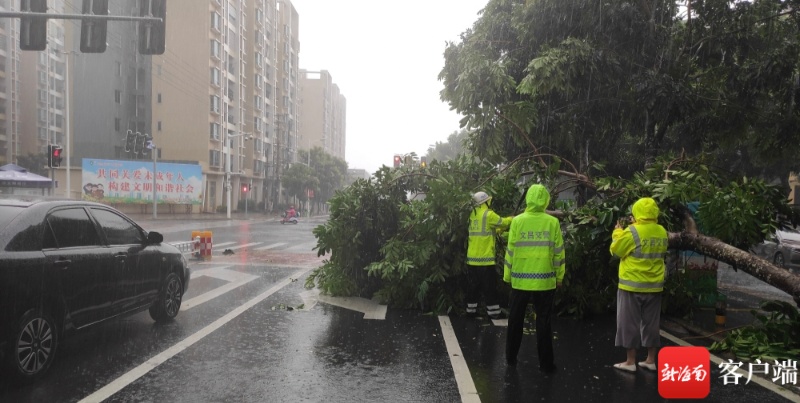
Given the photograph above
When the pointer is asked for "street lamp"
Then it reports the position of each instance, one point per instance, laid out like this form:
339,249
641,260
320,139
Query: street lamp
228,168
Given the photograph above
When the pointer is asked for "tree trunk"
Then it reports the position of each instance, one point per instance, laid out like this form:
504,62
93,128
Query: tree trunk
757,267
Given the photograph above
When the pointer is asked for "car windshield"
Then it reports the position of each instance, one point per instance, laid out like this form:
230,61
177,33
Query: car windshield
7,213
793,236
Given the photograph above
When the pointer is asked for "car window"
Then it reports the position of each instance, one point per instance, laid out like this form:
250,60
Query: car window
72,227
118,230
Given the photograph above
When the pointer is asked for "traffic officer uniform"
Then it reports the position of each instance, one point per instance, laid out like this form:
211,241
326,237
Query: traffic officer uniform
534,265
483,224
641,248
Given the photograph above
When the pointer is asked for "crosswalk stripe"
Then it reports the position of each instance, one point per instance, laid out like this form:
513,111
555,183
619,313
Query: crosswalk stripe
275,245
245,245
222,243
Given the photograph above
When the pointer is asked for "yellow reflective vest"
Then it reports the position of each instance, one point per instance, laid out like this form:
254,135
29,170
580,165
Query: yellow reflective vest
483,222
535,257
641,248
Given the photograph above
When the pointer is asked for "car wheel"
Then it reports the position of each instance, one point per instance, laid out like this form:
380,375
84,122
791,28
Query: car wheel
169,299
32,347
779,259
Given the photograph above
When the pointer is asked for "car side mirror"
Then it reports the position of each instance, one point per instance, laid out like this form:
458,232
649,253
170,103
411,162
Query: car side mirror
155,237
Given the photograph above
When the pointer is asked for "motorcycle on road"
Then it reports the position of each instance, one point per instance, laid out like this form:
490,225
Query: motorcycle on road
288,220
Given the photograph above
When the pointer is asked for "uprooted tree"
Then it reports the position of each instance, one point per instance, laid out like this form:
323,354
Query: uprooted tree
411,253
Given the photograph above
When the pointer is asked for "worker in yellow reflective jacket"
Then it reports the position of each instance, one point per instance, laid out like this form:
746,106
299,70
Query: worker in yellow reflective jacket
535,267
481,274
641,247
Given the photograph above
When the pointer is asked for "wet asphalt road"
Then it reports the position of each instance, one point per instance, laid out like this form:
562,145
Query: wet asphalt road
250,332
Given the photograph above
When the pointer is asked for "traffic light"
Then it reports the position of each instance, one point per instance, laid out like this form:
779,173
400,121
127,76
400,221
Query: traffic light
147,144
152,35
130,139
138,143
32,31
93,32
54,155
423,162
397,160
245,188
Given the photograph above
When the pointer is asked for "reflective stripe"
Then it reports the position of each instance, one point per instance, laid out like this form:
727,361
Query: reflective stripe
507,263
483,231
510,253
475,305
636,284
534,243
479,259
537,276
557,263
650,255
637,252
556,251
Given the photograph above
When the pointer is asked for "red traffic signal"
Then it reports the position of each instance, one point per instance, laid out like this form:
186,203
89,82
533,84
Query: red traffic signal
54,155
245,188
397,160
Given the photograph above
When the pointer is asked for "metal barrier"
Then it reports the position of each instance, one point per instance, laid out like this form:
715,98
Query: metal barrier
184,247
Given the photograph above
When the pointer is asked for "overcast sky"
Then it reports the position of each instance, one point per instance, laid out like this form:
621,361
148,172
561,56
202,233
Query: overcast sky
385,56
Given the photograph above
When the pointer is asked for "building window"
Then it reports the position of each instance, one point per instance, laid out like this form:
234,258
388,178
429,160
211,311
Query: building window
214,104
118,96
119,69
214,158
117,124
159,125
159,97
215,47
214,131
215,76
257,101
216,21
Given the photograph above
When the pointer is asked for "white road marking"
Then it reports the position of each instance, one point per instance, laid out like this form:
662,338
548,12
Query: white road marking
244,246
466,387
275,245
789,395
138,372
222,244
500,322
235,278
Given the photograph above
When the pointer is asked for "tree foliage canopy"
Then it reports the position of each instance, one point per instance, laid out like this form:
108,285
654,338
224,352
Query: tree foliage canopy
622,82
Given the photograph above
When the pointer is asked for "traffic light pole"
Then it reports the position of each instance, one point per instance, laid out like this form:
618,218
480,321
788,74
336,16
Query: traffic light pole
88,17
155,174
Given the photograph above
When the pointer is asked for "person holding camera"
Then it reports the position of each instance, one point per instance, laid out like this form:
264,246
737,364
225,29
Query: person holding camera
641,246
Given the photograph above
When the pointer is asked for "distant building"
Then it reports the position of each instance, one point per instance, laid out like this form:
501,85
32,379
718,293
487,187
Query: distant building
353,174
324,109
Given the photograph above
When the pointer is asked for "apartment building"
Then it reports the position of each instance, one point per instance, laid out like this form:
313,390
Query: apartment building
324,108
224,95
10,141
41,88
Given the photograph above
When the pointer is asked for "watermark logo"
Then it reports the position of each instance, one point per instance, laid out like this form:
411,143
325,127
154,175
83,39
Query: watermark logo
684,372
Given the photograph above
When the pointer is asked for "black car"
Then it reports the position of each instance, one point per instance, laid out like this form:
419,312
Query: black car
67,265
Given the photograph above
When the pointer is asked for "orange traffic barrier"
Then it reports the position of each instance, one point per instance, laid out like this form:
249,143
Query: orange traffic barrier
205,245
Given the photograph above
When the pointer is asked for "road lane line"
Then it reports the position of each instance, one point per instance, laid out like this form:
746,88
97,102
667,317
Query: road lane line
275,245
466,387
235,280
245,245
216,245
771,386
138,372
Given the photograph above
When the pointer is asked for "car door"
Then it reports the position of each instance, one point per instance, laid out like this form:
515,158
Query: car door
139,267
87,273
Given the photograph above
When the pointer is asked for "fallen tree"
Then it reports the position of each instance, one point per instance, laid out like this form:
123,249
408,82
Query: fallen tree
757,267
